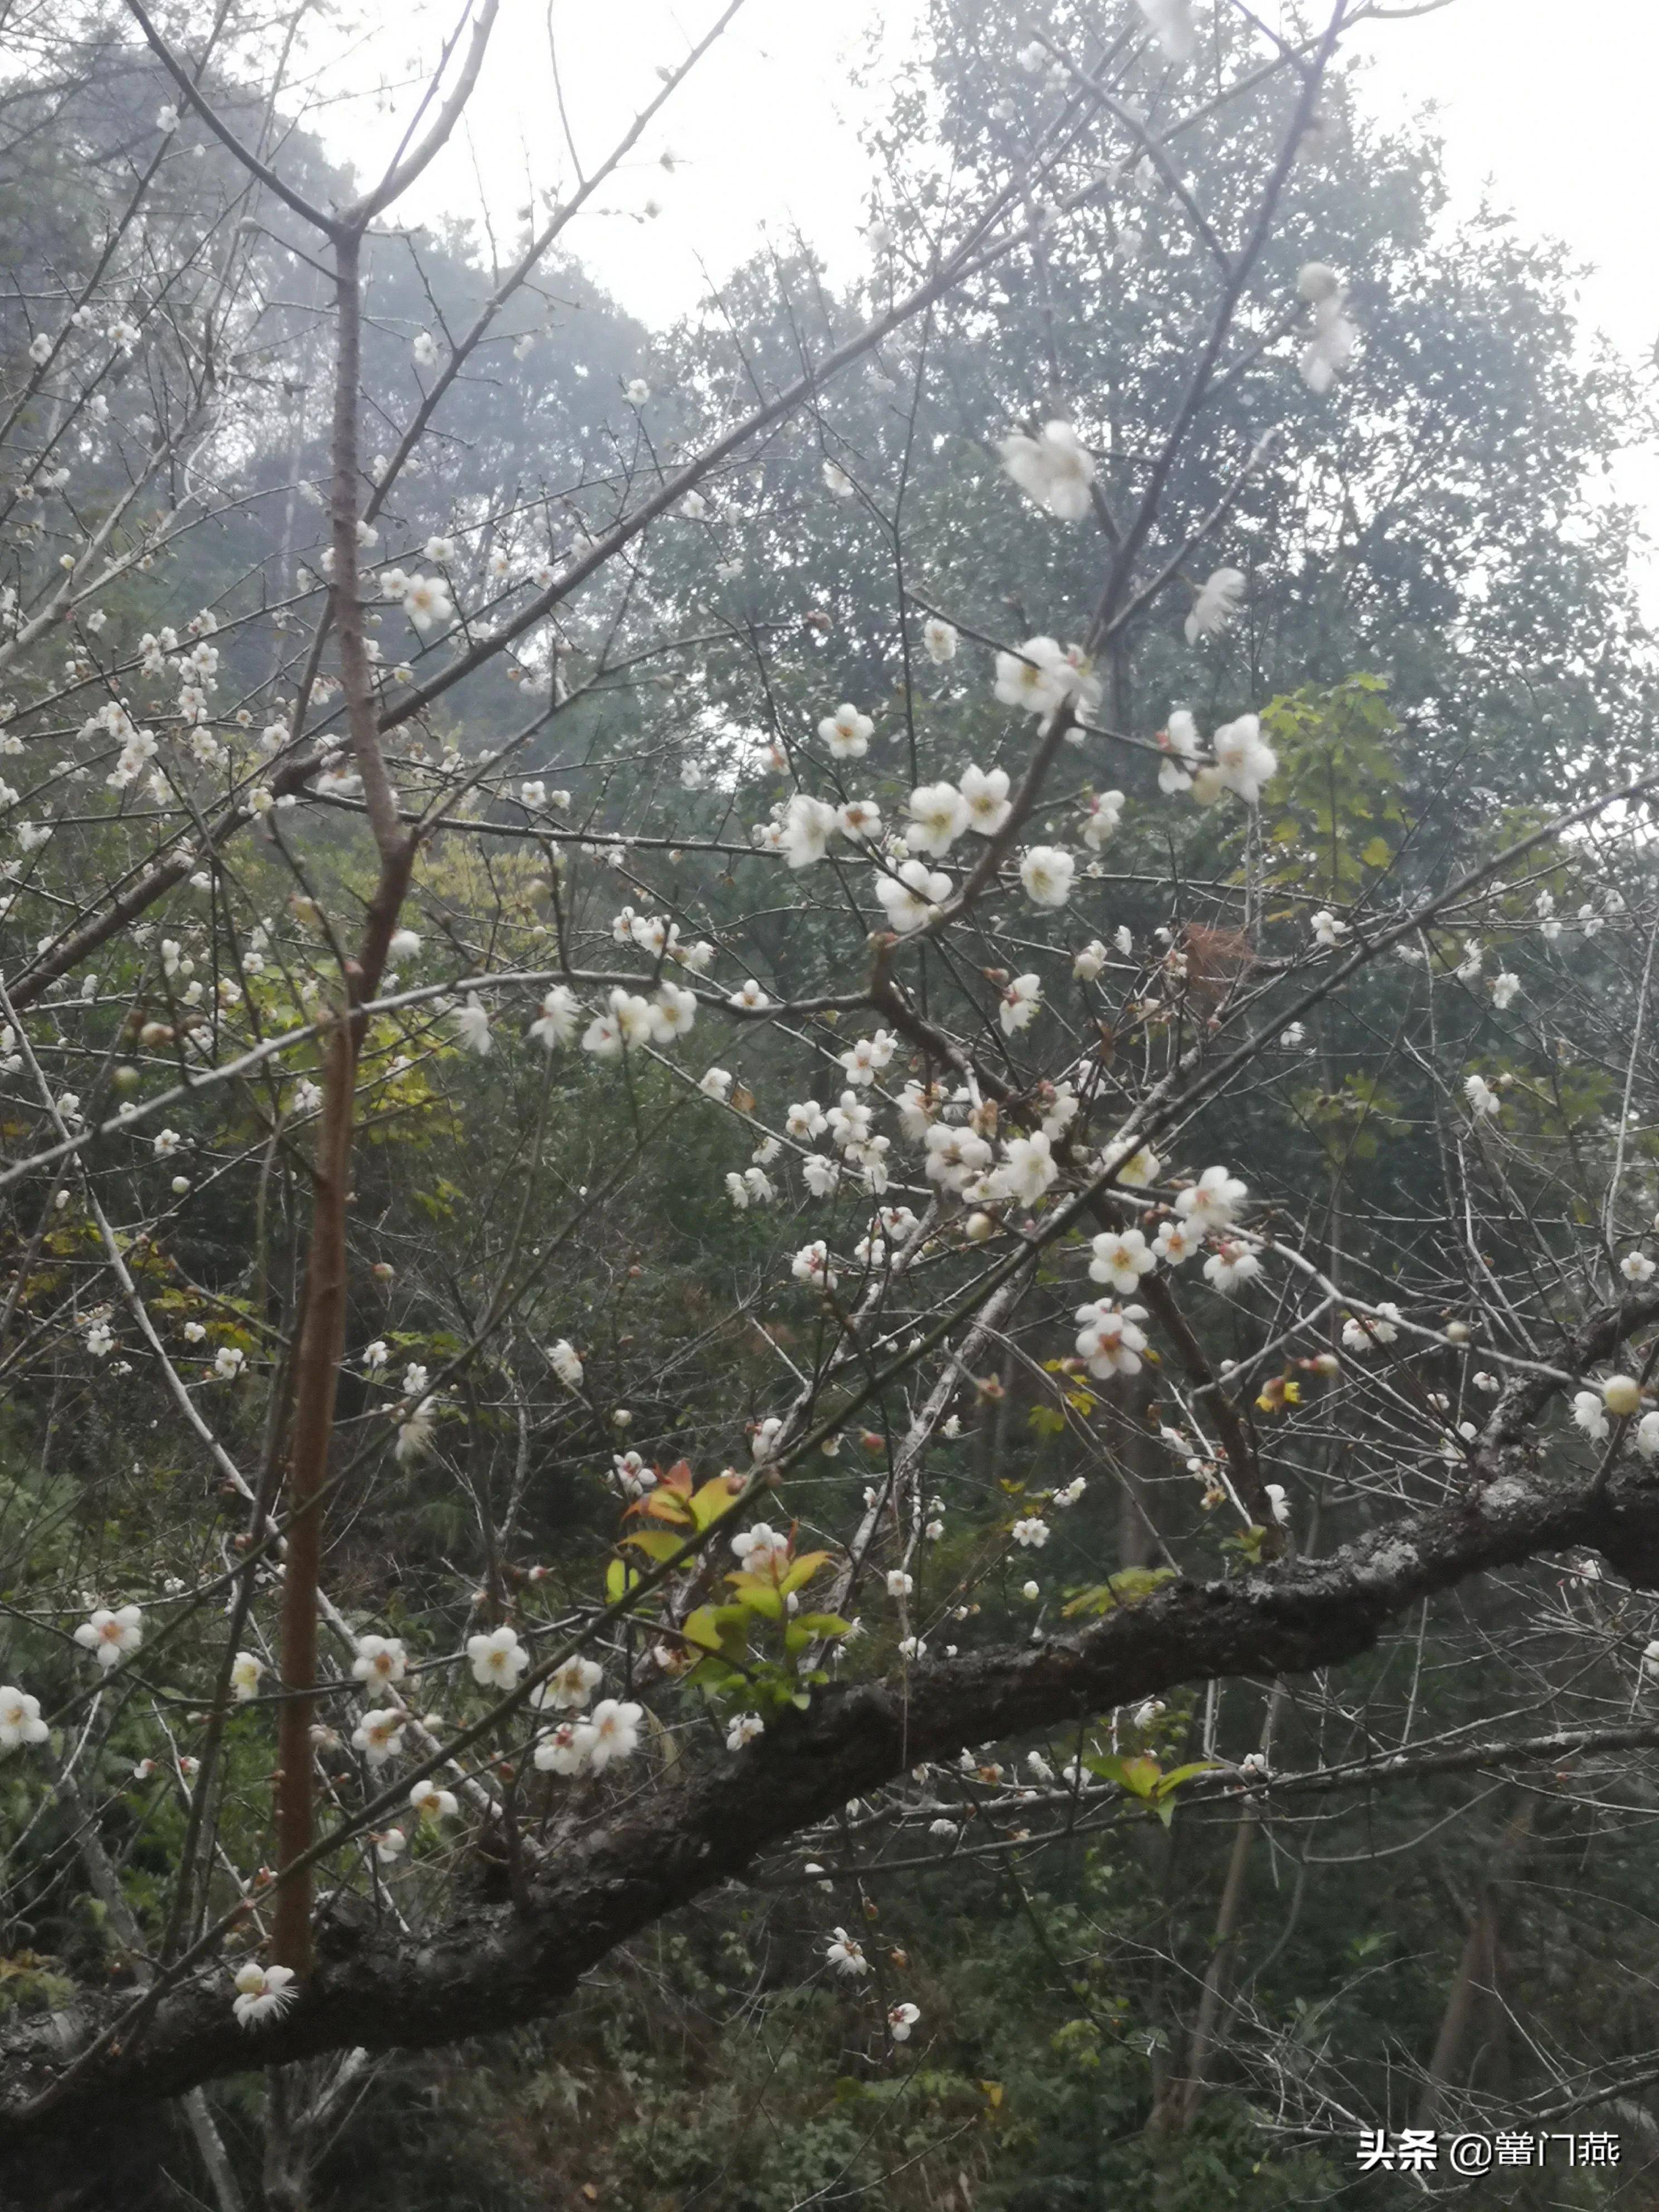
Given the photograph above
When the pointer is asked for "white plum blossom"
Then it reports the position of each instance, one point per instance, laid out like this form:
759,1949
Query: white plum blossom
1029,1168
847,732
1022,998
426,601
1330,349
955,1157
1042,675
1179,739
1483,1101
1244,761
754,1187
562,1750
761,1551
1087,965
1121,1257
837,482
911,894
497,1658
263,1993
1636,1268
612,1732
424,348
557,1022
1622,1395
743,1729
380,1735
380,1660
1101,819
431,1804
1054,469
563,1359
1046,872
1110,1339
1590,1415
761,1446
1231,1264
113,1636
228,1362
939,816
939,637
21,1724
1506,986
811,1265
1213,1201
1177,1242
569,1688
1032,1534
627,1022
864,1060
1216,608
985,795
1327,929
1381,1326
472,1025
246,1670
900,2018
1278,1504
846,1955
808,824
673,1012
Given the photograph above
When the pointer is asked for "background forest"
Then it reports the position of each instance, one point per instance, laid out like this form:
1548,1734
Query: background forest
1191,1997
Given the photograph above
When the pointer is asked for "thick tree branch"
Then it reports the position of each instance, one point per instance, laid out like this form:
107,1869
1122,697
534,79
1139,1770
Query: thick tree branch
494,1966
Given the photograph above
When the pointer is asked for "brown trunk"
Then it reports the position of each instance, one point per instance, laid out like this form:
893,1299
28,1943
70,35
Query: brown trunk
322,1339
322,1331
1474,1989
1214,1994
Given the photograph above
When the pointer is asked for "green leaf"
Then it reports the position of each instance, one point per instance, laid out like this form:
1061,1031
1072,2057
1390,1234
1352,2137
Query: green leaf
619,1579
656,1543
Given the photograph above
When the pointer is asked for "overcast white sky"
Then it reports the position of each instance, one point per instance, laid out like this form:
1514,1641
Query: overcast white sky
1552,103
1547,103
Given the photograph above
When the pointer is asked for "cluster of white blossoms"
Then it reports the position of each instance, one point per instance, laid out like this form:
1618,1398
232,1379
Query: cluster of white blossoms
1042,675
1380,1325
1619,1396
609,1734
1054,469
